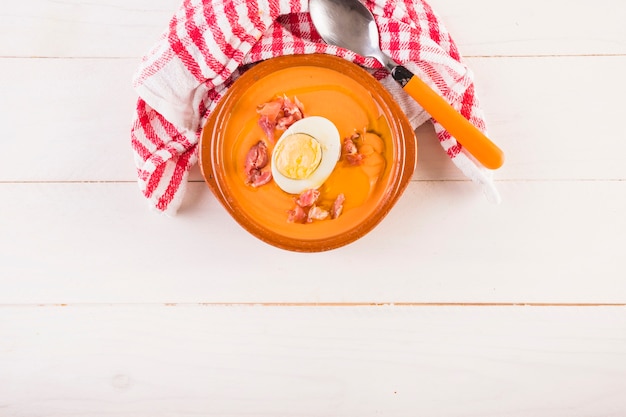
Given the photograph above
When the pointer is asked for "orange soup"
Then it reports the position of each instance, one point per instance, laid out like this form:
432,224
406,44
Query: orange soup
326,93
354,102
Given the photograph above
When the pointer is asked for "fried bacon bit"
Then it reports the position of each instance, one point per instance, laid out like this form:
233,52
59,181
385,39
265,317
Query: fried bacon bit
260,178
317,213
279,113
297,215
292,112
307,198
257,159
307,210
337,207
350,151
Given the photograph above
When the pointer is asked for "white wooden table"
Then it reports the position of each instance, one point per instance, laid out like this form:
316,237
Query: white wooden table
450,307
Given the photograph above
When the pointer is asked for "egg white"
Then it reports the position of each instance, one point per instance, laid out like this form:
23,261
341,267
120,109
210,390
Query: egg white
326,133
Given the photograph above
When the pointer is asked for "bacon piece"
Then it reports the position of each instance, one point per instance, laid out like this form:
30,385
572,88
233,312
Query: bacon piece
259,178
317,213
306,210
268,127
297,215
280,113
269,113
257,159
349,145
271,109
350,151
337,207
292,112
307,198
299,105
284,122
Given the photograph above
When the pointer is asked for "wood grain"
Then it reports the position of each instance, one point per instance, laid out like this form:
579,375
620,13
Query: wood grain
450,307
535,28
153,360
75,28
97,242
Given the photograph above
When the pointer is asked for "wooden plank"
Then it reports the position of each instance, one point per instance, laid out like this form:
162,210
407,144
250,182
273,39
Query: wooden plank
548,242
69,119
535,27
120,28
194,360
554,117
77,28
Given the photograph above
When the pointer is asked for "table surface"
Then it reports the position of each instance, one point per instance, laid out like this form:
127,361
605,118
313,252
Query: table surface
452,306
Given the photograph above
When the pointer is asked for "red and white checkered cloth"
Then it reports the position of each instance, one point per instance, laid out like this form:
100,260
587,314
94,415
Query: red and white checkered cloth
209,43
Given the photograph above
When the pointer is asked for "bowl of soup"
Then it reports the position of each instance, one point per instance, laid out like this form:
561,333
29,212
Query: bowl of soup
307,153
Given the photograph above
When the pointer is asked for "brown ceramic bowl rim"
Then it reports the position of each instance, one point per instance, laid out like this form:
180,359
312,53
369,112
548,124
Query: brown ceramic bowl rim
404,168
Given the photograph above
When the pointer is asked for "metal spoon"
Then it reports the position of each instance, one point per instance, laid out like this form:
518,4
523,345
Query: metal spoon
349,24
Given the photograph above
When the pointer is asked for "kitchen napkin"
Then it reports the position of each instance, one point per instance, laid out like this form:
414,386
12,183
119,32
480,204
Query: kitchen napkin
210,43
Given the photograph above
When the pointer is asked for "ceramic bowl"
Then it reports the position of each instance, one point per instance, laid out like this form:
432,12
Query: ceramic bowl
327,86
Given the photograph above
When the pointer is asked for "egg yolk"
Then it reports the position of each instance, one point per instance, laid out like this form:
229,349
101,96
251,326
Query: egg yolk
298,156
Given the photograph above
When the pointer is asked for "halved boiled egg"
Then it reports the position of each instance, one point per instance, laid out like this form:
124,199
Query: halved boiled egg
306,154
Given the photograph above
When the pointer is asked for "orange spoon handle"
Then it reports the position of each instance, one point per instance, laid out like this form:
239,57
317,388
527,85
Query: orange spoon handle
472,139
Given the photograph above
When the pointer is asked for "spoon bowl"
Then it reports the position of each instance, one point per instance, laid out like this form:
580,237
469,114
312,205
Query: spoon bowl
361,36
